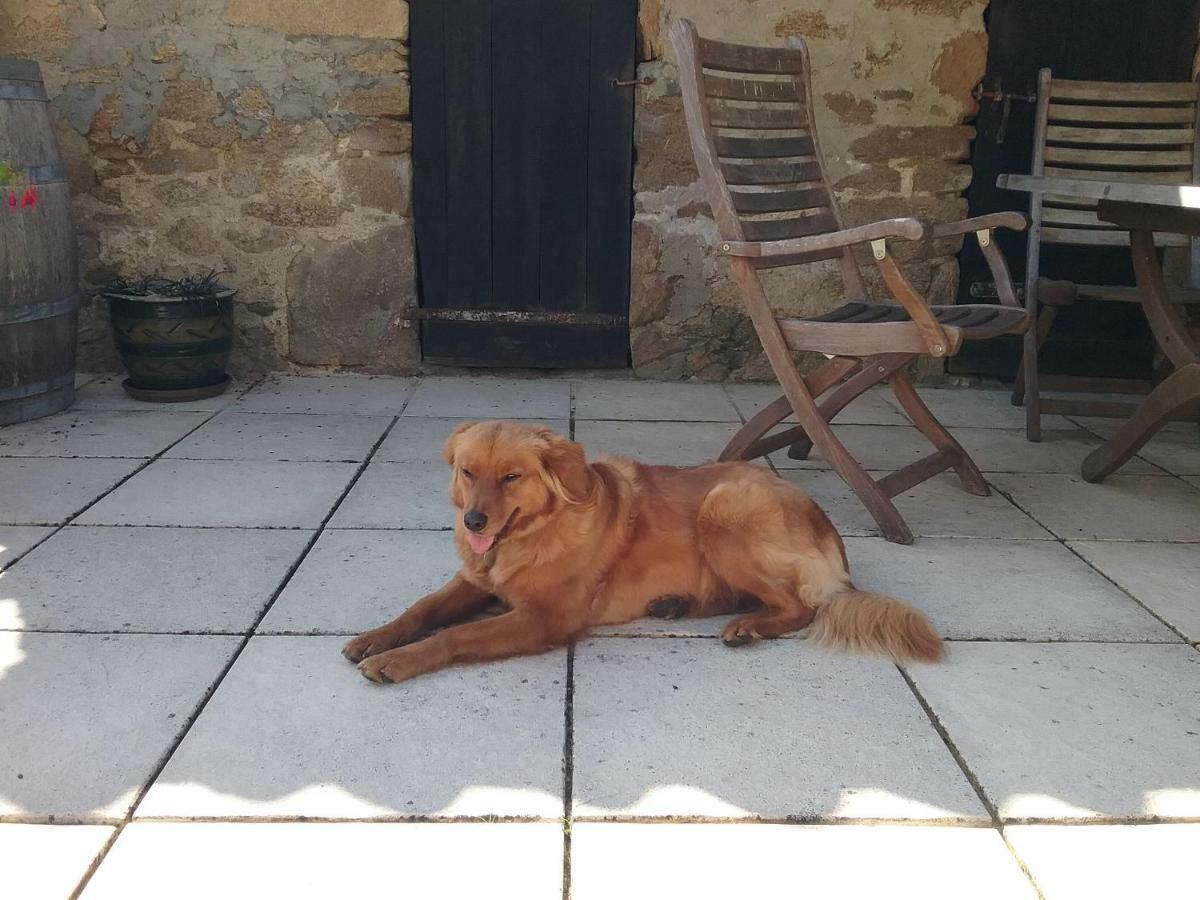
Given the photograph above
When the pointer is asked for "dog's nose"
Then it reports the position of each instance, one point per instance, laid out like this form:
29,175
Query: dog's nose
474,519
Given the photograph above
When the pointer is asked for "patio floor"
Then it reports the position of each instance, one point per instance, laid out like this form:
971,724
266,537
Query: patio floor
176,718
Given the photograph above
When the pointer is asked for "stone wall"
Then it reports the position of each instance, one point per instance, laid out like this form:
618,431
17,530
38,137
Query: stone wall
268,139
892,83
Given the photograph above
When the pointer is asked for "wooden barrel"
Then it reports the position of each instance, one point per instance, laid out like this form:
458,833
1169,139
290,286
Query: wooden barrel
39,280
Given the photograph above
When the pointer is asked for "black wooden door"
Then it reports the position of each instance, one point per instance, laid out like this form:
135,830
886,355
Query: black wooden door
522,175
1095,40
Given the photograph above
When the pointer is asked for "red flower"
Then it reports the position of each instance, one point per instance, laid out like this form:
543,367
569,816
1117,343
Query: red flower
29,198
12,199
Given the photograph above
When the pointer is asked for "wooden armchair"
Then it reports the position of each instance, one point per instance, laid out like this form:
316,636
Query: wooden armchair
1092,130
755,143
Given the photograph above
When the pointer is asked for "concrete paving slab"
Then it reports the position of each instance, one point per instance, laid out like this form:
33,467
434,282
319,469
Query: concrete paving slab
978,408
16,539
653,401
936,508
1074,731
656,443
104,392
420,440
295,730
1122,507
491,398
283,436
1165,577
356,580
1060,450
1109,862
363,395
317,859
398,495
225,493
782,862
98,434
872,408
780,730
1003,590
148,579
87,718
50,491
46,862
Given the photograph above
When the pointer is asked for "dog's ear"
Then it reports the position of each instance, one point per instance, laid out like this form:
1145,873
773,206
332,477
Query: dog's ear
565,467
452,442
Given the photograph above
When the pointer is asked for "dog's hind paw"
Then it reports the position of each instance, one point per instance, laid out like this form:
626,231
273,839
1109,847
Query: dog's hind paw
670,607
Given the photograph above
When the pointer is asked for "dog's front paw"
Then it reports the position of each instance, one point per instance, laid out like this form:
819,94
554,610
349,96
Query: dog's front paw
370,643
391,667
739,633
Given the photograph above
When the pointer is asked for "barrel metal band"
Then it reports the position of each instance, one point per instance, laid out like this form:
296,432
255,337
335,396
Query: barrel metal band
20,70
57,383
44,309
23,90
50,173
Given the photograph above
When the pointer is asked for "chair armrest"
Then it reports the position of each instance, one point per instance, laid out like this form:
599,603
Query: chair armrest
982,227
909,229
1013,220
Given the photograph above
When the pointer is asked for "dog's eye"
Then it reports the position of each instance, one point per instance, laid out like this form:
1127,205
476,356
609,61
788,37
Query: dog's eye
467,473
511,476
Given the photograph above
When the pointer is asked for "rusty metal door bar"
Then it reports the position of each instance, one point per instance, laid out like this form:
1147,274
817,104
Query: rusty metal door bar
513,316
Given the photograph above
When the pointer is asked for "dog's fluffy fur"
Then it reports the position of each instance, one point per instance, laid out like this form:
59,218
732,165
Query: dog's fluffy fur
569,544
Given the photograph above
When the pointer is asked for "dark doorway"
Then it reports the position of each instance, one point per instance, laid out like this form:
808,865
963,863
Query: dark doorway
522,173
1099,40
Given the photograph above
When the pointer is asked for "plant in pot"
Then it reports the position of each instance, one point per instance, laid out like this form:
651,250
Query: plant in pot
174,335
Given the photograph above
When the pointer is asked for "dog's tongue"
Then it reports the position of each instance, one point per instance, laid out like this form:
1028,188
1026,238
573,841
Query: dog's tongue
481,543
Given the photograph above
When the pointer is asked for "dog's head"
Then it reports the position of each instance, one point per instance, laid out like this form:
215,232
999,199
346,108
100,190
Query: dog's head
509,478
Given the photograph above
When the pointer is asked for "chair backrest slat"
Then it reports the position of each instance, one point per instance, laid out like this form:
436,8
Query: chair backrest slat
750,119
726,57
1108,131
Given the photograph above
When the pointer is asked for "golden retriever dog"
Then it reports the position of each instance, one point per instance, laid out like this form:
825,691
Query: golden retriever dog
565,545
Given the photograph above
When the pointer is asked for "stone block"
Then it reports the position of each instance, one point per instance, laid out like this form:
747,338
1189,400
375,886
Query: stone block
851,109
344,299
379,100
921,142
348,18
664,153
872,179
382,136
379,182
939,176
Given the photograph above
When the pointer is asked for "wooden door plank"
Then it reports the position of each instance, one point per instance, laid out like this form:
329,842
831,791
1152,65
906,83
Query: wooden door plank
468,153
610,155
429,149
564,92
516,154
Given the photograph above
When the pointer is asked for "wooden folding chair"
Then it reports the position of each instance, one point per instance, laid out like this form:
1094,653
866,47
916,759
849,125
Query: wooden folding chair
1102,131
755,143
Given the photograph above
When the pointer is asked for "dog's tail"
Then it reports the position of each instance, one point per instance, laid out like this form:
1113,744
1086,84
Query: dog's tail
865,622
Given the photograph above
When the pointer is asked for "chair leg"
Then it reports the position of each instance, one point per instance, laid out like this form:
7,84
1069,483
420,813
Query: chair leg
1180,391
869,493
916,410
741,445
1044,322
760,423
874,370
1033,397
